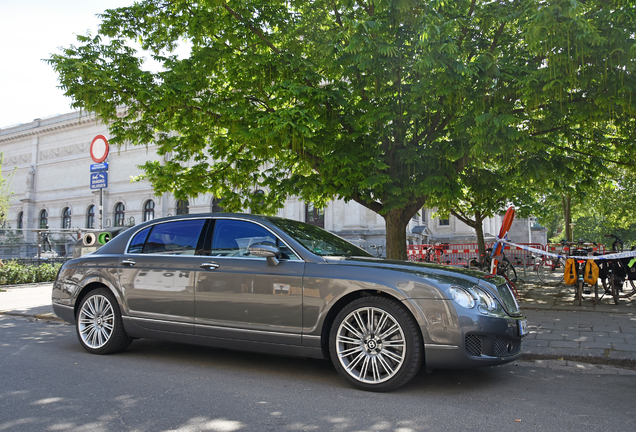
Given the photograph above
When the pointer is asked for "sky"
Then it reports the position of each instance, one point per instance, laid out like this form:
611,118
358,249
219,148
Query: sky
32,30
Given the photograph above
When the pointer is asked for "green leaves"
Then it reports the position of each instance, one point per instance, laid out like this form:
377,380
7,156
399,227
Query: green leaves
385,102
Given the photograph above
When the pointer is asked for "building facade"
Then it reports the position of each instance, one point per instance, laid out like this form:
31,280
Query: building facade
48,161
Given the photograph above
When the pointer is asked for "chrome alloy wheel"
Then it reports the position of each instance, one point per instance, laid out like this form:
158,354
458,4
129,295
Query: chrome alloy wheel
96,321
371,345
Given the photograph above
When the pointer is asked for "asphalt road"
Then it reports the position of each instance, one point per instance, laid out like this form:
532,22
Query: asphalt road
49,383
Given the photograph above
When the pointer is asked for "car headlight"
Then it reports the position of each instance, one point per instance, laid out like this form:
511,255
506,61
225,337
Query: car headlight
462,297
486,303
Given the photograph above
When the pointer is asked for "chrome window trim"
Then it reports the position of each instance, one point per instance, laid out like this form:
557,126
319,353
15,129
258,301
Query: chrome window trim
300,259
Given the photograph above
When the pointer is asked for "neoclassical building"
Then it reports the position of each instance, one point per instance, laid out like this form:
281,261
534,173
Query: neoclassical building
49,163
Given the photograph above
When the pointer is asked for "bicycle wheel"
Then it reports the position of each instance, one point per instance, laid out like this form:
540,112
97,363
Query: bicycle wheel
629,289
550,271
579,292
614,282
511,273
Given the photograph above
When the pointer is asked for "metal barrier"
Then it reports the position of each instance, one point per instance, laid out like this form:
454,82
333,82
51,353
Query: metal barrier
46,245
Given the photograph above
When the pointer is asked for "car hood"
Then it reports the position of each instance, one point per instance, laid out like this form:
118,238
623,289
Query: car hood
425,270
437,275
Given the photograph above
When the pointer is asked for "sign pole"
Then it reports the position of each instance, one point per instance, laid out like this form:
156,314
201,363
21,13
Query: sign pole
101,207
99,171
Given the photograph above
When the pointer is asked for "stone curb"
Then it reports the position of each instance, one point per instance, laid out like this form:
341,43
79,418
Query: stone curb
44,316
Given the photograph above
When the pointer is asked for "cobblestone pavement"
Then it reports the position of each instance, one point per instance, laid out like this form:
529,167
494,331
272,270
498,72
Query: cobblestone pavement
560,329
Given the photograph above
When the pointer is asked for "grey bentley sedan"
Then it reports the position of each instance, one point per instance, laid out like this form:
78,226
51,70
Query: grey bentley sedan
284,287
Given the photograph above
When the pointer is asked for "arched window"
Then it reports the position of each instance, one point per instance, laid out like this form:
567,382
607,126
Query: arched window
120,214
66,217
216,207
183,207
149,210
20,220
90,217
44,219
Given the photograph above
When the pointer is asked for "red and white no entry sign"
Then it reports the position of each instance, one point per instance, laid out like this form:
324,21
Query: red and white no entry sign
99,149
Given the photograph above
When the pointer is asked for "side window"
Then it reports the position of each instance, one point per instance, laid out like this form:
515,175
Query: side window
173,238
232,238
138,241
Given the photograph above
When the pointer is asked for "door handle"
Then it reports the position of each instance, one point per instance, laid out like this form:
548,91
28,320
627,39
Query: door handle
128,262
209,266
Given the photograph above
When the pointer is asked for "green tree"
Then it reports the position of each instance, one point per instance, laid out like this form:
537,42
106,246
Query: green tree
383,102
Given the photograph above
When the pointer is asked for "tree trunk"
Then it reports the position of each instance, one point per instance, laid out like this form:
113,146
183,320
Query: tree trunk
567,217
477,225
481,243
396,221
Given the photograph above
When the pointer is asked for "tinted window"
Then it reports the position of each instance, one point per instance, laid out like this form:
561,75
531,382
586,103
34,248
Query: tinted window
174,238
233,237
137,243
318,240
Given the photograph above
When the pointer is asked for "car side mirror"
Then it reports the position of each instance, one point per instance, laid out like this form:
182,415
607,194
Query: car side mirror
267,250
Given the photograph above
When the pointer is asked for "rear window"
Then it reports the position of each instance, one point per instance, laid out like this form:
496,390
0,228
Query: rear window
170,238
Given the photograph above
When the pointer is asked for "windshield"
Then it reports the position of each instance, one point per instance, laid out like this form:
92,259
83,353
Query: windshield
317,240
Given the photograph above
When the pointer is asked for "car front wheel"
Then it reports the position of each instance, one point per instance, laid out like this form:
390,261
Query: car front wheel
375,344
99,326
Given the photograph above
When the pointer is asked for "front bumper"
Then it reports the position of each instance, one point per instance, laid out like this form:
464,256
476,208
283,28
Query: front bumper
464,338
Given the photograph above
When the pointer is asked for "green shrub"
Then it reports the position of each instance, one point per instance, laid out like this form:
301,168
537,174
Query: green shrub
15,273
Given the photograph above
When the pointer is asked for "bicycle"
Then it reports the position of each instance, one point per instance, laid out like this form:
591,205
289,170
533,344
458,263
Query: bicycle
550,269
504,268
580,251
434,254
614,273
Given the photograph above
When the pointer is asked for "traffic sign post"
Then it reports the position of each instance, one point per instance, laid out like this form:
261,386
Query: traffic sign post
99,171
99,180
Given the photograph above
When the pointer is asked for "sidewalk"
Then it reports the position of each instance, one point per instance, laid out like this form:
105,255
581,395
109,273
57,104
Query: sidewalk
602,334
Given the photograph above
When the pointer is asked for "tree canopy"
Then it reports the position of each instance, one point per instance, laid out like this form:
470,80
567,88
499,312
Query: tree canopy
383,102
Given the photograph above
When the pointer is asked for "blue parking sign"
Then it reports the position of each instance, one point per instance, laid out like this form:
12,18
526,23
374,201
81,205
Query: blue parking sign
99,180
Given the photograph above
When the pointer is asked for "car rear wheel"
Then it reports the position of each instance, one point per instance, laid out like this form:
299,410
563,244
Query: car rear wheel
99,326
375,345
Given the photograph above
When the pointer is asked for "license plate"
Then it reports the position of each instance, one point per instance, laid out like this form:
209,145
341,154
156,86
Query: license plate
523,328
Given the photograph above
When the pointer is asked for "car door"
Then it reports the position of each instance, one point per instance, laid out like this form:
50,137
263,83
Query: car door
240,296
158,274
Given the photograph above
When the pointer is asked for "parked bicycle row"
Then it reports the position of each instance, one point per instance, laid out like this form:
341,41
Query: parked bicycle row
580,264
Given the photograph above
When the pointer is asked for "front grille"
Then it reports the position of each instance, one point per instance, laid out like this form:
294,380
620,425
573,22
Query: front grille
474,345
505,347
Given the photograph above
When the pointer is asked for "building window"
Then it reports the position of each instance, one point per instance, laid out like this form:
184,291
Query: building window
216,205
90,217
314,215
44,219
120,214
66,218
183,207
149,210
444,222
20,220
258,201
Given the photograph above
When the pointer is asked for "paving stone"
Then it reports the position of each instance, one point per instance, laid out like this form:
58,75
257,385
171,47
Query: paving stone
534,343
624,347
612,340
563,344
549,336
586,345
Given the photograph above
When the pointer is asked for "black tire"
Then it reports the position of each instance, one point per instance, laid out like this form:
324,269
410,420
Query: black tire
615,286
579,292
98,324
372,359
